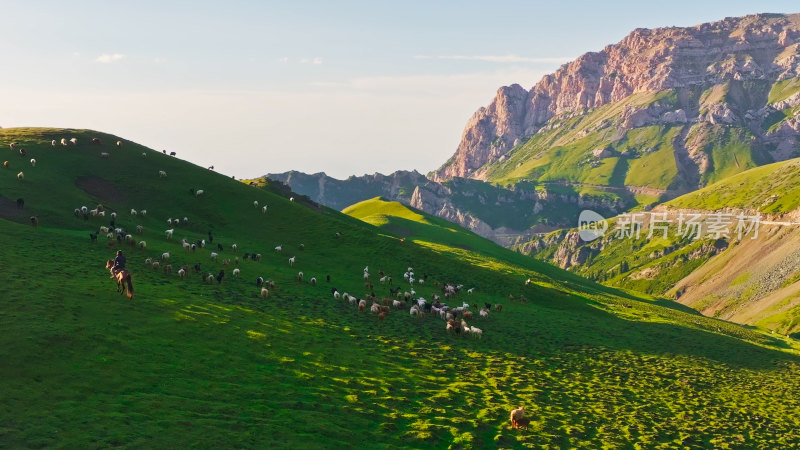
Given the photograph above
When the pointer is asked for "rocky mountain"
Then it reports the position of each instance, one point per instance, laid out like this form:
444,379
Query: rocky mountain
700,81
659,114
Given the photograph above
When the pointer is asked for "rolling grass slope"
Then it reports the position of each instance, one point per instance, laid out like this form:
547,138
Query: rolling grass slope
212,365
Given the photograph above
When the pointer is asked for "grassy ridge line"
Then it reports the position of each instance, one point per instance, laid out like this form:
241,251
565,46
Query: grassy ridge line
212,365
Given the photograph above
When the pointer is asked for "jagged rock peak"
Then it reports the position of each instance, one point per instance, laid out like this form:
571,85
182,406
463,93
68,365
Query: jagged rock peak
761,46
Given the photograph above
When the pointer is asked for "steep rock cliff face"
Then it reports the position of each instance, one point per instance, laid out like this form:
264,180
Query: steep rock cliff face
758,47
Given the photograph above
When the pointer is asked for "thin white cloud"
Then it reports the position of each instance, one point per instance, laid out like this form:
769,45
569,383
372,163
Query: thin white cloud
510,58
316,60
285,59
159,60
109,57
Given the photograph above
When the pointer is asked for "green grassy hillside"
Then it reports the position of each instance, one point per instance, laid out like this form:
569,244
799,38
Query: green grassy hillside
186,363
750,281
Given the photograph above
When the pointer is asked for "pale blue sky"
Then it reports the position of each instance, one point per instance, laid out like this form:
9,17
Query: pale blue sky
341,87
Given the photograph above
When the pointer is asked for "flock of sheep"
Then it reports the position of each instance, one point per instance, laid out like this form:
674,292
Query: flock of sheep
455,317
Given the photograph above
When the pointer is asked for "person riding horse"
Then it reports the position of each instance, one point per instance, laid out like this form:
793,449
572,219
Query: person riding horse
119,264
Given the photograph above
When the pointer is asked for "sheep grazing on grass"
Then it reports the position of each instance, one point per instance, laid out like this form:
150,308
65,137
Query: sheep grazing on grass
142,244
469,291
165,256
299,276
20,203
278,249
169,232
20,176
33,162
220,276
518,419
234,247
185,220
133,212
198,192
264,292
53,142
162,174
93,237
255,203
362,305
13,145
143,212
467,315
34,221
264,209
182,273
291,261
484,313
139,229
74,141
313,281
103,155
291,199
113,215
214,256
168,269
476,332
156,265
336,295
498,308
119,143
64,142
6,164
148,262
375,308
235,273
256,257
259,281
210,278
144,155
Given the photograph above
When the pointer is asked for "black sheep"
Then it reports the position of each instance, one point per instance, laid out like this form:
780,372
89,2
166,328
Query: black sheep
20,203
220,276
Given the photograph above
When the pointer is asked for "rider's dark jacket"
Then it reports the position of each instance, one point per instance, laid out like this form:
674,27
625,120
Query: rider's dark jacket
119,262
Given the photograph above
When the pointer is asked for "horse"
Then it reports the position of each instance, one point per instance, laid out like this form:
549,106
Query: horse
123,276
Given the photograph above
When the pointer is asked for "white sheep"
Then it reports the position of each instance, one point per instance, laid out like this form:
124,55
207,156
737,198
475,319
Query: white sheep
351,299
53,143
33,162
198,192
101,213
64,142
291,260
133,212
165,256
169,232
475,331
119,143
144,155
264,293
264,209
396,303
169,221
104,229
214,256
74,141
313,281
469,291
113,215
210,278
182,273
236,273
20,176
103,154
278,249
142,244
185,220
484,313
255,203
336,295
162,174
234,247
291,199
143,212
375,308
